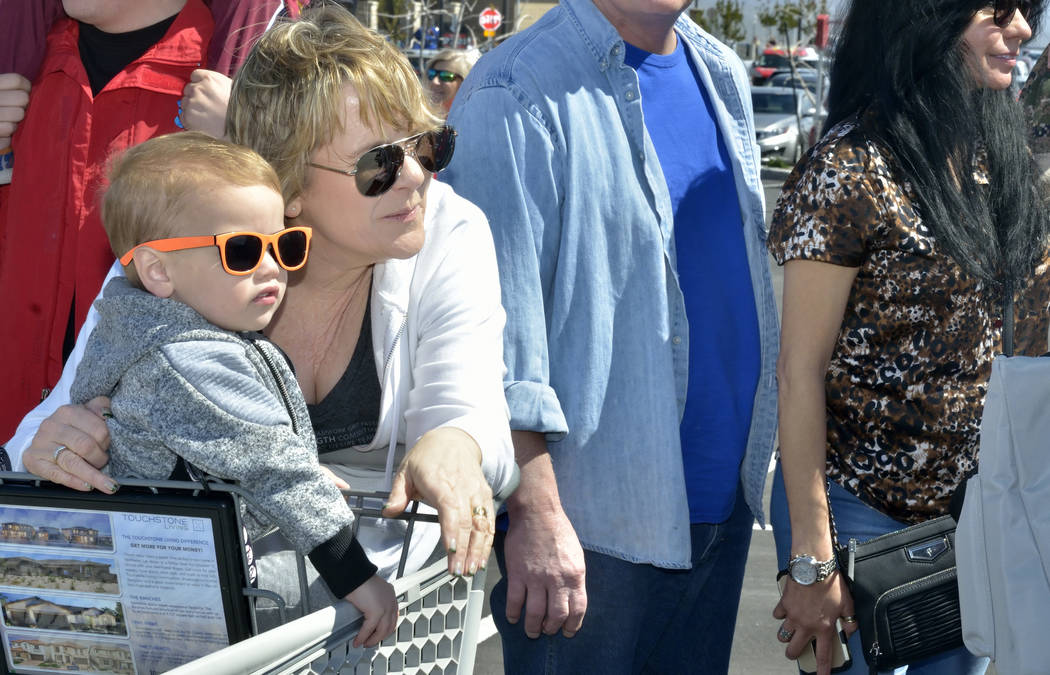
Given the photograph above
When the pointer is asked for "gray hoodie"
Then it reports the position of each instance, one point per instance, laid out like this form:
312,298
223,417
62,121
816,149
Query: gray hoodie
226,403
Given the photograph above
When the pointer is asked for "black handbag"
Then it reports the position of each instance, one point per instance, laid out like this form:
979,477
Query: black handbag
905,594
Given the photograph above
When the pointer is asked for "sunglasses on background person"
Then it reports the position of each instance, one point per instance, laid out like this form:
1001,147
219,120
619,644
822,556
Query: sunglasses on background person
242,252
377,169
441,75
1003,11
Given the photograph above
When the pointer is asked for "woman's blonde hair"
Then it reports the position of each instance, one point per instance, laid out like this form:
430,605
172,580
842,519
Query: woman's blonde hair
151,184
287,99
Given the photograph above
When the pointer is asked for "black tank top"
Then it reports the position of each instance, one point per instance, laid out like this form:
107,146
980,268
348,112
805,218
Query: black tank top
349,414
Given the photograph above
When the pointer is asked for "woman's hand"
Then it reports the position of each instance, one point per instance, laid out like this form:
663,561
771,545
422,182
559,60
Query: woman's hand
811,612
82,431
444,470
204,101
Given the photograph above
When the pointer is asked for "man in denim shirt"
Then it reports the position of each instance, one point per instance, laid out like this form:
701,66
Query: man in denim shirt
611,146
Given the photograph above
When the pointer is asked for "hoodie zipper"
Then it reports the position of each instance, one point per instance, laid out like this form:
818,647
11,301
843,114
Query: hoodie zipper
281,387
393,344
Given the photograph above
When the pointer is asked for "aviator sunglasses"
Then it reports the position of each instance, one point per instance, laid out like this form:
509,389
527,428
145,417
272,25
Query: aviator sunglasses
441,75
242,252
377,169
1003,11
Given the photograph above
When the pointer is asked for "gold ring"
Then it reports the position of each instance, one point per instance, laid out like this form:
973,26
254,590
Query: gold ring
58,451
849,619
480,511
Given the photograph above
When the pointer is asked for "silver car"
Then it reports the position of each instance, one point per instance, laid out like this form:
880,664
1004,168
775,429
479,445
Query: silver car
777,127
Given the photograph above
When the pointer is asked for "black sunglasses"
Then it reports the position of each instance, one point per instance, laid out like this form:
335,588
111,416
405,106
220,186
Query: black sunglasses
377,169
442,75
1003,11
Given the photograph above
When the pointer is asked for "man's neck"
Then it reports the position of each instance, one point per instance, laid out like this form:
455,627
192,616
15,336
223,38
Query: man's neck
139,15
653,32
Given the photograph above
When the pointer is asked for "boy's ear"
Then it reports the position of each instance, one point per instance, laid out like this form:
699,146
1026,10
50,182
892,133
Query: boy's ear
153,274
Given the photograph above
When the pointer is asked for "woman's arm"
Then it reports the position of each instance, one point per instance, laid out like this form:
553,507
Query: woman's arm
815,297
456,422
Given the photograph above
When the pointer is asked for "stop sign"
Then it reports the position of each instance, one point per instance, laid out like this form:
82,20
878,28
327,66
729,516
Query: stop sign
490,19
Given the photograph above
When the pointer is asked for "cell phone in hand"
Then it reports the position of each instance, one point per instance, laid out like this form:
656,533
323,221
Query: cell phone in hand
807,660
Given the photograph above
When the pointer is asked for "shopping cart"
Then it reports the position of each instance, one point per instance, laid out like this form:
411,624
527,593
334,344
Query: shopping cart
439,613
436,633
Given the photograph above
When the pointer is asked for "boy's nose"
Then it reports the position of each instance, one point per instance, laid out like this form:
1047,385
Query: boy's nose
269,266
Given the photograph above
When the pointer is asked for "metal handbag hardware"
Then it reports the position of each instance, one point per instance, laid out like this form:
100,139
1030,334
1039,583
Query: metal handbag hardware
928,551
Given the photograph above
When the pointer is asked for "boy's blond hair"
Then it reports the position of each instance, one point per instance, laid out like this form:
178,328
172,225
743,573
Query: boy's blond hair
151,184
287,99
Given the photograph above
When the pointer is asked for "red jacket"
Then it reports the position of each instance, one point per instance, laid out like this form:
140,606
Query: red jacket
52,245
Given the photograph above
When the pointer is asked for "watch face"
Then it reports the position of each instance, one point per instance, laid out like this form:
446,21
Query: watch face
804,571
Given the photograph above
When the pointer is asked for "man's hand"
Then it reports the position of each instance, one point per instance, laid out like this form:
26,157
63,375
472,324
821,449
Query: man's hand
14,97
544,559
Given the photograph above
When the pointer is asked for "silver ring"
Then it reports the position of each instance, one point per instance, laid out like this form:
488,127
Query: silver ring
58,451
785,635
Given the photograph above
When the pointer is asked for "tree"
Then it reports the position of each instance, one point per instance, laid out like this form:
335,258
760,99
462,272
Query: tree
392,16
725,20
785,17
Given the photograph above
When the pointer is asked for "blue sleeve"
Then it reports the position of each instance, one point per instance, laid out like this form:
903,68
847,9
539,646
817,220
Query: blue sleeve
507,162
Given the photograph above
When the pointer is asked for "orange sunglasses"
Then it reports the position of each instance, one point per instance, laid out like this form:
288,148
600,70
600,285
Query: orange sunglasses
242,252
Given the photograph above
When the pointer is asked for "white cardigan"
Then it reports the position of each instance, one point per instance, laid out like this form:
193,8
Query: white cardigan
437,327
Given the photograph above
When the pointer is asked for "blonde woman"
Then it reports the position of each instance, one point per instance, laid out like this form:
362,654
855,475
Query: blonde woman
395,326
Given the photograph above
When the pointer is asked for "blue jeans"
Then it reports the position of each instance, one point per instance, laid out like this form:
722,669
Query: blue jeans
854,518
641,618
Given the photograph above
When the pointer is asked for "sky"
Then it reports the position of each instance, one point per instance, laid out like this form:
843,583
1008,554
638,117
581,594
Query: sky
751,25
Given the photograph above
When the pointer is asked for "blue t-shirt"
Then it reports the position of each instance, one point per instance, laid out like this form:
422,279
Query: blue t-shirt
713,274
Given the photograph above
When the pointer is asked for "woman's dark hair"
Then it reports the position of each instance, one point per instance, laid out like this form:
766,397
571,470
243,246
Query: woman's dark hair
902,66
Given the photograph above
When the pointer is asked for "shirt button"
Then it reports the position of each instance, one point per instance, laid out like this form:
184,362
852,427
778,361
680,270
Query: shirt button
603,64
677,340
641,156
616,49
630,95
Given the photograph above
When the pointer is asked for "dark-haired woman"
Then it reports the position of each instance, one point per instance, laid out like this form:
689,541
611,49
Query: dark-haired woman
901,233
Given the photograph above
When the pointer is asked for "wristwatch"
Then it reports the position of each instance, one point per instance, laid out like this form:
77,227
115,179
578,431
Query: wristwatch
807,570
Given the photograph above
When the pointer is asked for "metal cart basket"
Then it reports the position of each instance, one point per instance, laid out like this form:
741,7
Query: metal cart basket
439,613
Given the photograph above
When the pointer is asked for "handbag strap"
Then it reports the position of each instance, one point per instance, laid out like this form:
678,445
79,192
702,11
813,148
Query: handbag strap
831,517
1008,317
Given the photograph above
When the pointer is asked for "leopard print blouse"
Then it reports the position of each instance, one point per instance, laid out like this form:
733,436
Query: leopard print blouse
907,379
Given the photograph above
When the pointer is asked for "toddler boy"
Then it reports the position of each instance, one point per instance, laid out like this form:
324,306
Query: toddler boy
198,224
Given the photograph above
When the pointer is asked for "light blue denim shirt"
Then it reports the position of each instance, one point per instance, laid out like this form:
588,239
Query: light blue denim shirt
553,148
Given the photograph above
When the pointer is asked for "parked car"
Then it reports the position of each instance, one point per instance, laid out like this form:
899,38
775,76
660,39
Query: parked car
774,59
777,128
802,78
